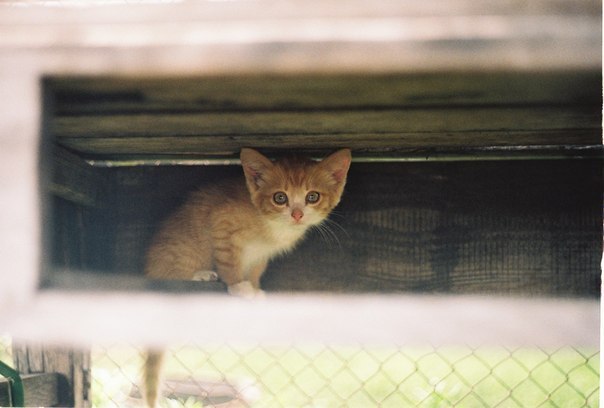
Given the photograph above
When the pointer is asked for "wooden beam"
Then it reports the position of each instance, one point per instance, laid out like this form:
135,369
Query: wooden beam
438,320
41,390
367,130
322,36
105,95
217,115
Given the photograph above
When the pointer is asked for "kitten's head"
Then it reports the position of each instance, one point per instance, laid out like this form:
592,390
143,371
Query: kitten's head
295,191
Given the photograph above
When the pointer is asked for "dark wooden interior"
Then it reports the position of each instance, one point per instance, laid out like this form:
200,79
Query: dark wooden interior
462,182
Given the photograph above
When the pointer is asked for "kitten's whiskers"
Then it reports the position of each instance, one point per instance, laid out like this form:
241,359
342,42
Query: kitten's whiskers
332,223
329,236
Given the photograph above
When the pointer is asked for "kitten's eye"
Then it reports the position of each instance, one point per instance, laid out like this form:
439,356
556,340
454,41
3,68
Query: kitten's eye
312,197
280,198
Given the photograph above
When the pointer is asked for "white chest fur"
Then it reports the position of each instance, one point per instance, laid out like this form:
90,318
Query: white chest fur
278,240
287,237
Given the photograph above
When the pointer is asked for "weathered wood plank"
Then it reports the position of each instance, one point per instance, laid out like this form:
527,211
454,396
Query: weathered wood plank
225,133
35,360
40,390
103,95
82,379
70,366
326,123
222,146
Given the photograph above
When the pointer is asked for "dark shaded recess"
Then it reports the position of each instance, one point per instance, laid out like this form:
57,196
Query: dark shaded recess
509,227
517,227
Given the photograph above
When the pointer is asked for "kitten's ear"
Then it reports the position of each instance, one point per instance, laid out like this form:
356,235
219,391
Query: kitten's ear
338,164
254,166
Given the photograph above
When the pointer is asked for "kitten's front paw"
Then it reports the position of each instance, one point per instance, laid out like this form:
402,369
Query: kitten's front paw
205,276
246,290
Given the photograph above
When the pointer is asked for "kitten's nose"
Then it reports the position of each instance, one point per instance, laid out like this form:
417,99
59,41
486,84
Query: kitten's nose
297,214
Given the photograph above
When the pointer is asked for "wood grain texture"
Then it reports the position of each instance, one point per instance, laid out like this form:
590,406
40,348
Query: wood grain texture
81,95
40,390
70,368
381,113
358,130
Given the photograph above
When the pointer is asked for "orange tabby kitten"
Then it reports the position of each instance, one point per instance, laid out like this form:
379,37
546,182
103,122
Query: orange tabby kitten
235,228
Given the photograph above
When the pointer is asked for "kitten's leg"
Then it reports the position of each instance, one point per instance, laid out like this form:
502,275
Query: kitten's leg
151,377
227,259
232,275
250,288
228,265
228,268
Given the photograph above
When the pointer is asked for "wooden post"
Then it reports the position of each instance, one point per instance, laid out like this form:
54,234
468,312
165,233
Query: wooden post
72,366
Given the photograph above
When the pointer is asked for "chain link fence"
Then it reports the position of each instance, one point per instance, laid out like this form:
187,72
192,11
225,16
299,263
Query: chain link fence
327,376
231,376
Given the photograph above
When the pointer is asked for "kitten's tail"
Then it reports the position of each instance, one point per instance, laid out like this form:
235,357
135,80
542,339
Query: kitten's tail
151,377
